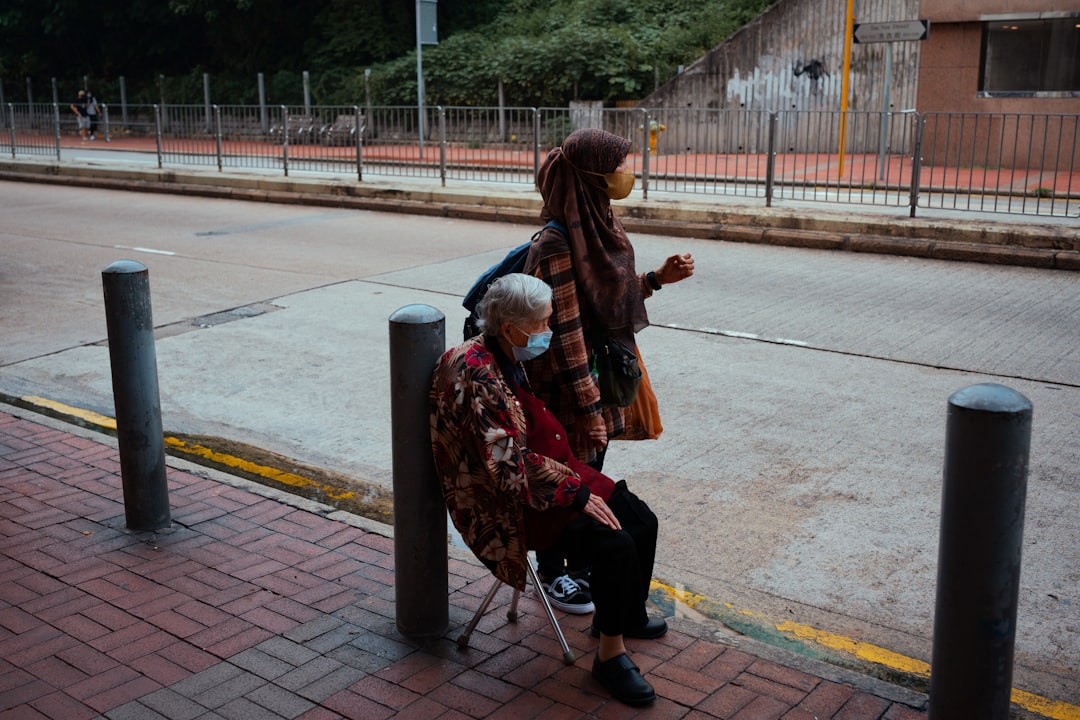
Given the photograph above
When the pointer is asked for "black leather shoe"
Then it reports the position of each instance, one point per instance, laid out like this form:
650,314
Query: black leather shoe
621,677
653,628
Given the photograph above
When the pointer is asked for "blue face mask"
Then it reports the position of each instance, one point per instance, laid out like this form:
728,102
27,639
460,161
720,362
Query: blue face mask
536,346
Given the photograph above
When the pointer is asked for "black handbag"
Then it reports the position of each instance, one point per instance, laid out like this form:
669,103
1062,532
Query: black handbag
618,373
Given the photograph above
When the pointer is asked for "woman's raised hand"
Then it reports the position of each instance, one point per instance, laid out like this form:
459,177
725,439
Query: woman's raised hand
676,268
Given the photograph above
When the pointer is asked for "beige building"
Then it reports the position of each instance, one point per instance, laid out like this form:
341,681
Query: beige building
1014,62
1001,56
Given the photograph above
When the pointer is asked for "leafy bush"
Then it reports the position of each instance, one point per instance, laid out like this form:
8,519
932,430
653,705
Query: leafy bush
545,54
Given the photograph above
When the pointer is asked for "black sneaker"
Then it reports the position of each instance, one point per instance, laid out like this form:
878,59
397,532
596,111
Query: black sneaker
581,578
566,595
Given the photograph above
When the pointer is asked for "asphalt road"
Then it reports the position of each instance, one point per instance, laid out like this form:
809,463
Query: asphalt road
803,392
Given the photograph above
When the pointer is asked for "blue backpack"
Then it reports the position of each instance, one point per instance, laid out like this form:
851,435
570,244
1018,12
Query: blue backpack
514,262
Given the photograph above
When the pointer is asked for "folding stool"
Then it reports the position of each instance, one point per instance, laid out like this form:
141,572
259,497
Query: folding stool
512,614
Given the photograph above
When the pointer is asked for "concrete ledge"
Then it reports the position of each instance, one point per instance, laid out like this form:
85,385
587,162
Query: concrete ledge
739,234
1067,261
890,245
672,228
805,239
993,254
1028,244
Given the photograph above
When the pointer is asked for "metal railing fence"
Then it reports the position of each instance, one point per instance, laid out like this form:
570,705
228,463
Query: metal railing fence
31,129
983,162
1008,162
692,150
393,144
322,140
872,169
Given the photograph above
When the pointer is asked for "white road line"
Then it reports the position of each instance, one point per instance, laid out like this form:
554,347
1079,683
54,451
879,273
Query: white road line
736,334
144,250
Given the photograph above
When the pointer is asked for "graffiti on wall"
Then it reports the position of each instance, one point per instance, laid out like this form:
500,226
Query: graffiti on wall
815,72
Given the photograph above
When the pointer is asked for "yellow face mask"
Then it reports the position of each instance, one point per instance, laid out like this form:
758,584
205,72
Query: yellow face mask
619,184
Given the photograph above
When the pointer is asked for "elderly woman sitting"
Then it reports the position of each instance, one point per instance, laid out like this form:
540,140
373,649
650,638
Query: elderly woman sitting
511,483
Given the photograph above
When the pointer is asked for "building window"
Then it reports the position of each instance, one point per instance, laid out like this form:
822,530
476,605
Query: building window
1028,57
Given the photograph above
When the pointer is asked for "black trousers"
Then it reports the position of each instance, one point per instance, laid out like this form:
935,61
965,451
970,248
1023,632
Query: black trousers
552,563
621,560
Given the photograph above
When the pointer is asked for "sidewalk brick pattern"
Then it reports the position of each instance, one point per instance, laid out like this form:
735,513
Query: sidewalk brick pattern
251,608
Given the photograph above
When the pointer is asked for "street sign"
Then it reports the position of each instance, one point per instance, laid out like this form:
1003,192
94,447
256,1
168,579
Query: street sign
427,21
897,31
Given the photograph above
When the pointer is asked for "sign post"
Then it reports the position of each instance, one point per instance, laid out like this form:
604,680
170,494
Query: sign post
887,32
892,31
427,33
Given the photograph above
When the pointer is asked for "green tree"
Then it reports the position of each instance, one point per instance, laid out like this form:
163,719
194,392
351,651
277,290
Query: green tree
565,50
542,53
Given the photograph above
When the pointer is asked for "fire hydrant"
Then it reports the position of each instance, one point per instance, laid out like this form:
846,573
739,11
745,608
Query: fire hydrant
655,128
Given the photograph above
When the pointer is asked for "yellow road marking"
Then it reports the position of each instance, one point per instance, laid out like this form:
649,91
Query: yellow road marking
1054,709
87,415
285,478
858,648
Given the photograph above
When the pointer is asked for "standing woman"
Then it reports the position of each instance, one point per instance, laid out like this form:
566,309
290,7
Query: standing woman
598,293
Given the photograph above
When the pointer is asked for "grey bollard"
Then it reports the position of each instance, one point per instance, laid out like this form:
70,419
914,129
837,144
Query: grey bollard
987,441
417,339
135,394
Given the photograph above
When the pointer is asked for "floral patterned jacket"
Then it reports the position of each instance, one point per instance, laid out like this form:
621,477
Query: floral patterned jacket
487,472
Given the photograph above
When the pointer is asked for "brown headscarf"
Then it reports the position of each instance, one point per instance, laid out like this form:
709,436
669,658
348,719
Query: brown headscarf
600,251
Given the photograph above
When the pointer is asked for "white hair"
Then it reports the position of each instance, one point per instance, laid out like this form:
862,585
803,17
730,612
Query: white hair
514,298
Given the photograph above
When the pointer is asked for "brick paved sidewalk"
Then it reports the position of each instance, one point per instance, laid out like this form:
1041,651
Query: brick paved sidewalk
257,605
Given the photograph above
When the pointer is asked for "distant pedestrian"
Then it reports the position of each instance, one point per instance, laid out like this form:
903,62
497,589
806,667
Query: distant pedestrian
93,111
82,115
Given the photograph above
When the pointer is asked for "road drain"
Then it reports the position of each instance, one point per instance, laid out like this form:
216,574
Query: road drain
227,316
